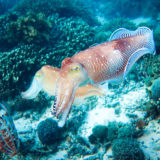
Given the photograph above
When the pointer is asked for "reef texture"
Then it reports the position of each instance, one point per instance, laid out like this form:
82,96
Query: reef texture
18,65
64,8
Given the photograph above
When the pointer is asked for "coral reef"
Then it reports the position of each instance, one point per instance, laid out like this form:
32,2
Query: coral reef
153,109
157,36
78,151
100,132
49,132
127,149
31,28
24,105
20,64
65,8
152,73
104,134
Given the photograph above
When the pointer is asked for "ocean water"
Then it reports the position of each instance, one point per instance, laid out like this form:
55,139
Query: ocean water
79,80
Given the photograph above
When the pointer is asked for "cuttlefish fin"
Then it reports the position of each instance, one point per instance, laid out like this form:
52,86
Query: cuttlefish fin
135,56
148,48
35,87
122,33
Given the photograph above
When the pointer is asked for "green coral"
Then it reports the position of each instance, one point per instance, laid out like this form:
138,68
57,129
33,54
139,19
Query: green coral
19,65
152,72
127,149
31,28
157,37
65,8
100,133
75,34
114,130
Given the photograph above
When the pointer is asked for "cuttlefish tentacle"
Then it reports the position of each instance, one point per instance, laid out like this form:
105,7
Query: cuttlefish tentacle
35,87
109,61
45,80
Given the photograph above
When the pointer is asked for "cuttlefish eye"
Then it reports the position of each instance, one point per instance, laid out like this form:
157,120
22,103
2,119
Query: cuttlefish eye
38,75
75,69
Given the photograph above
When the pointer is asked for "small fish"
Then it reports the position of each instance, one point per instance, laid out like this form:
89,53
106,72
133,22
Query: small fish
9,142
110,61
45,80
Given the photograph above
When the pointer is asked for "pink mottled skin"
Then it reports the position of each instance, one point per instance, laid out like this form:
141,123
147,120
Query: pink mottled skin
45,80
107,61
104,62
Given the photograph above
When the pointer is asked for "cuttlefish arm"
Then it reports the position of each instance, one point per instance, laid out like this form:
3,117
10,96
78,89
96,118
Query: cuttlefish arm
88,91
109,61
45,80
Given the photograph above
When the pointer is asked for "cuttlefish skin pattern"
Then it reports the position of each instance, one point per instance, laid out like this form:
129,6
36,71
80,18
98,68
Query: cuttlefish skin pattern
45,80
109,61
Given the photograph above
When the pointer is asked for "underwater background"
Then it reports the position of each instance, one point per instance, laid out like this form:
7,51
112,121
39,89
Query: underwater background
123,124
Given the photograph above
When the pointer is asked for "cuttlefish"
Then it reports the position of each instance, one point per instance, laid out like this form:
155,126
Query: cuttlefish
45,80
109,61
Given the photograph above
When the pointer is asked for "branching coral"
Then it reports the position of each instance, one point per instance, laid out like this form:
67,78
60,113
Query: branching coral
65,8
114,130
32,28
75,35
127,149
20,64
152,82
49,132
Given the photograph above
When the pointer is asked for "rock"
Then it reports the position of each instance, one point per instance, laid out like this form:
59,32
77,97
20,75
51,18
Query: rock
92,139
49,132
99,134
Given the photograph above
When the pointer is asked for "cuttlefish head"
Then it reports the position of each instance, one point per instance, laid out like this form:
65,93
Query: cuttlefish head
72,75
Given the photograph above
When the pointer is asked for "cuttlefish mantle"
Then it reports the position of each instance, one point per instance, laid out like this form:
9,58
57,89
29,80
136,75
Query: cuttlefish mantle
109,61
